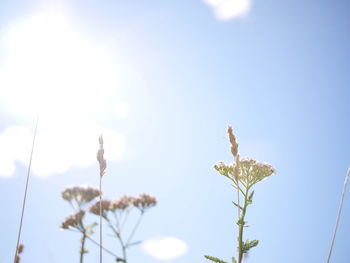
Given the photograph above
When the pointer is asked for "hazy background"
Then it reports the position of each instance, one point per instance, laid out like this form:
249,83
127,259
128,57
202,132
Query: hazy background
162,80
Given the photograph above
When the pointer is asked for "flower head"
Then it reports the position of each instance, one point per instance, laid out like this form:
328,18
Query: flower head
73,220
123,203
81,194
254,171
144,201
106,206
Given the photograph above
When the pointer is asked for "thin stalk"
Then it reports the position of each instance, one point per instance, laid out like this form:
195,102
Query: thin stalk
119,237
26,190
105,249
93,241
125,218
101,219
339,214
241,226
238,208
135,228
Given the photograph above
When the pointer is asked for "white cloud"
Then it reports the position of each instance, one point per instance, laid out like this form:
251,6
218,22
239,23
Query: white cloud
52,70
56,149
166,248
228,9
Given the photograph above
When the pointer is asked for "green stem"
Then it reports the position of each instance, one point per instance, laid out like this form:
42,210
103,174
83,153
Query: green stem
241,226
82,250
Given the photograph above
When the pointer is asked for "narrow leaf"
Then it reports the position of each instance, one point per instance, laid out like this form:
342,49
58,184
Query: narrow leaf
215,259
237,205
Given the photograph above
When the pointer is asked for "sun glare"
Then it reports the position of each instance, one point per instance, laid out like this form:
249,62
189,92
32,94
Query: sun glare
50,69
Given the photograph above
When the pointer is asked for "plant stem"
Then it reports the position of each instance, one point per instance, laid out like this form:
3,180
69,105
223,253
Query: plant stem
101,219
339,214
135,228
82,250
119,237
105,249
241,226
26,190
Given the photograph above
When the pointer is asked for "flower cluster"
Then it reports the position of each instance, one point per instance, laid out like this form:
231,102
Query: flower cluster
247,170
253,171
122,203
144,201
81,194
105,206
224,169
73,220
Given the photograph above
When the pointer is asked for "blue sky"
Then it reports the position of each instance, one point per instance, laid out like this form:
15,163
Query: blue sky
171,76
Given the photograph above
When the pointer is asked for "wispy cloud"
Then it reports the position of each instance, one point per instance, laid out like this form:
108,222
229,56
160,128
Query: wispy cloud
57,150
228,9
166,248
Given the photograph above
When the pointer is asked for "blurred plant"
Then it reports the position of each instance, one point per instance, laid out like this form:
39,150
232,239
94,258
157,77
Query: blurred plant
116,214
78,197
244,174
19,252
346,181
16,255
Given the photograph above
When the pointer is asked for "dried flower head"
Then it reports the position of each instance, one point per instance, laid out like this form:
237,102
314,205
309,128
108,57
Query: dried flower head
100,157
73,220
18,253
106,206
233,141
20,248
81,194
123,203
144,201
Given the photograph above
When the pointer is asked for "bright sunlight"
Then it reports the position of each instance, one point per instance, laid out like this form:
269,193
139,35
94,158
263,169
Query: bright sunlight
50,69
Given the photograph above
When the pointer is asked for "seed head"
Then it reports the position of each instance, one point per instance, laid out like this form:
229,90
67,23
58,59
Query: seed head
233,141
100,157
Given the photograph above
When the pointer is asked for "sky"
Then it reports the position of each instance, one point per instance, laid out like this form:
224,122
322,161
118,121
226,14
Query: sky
161,80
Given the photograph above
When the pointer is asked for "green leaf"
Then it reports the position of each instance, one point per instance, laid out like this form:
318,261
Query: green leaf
250,198
215,259
237,205
234,260
249,244
118,259
90,227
